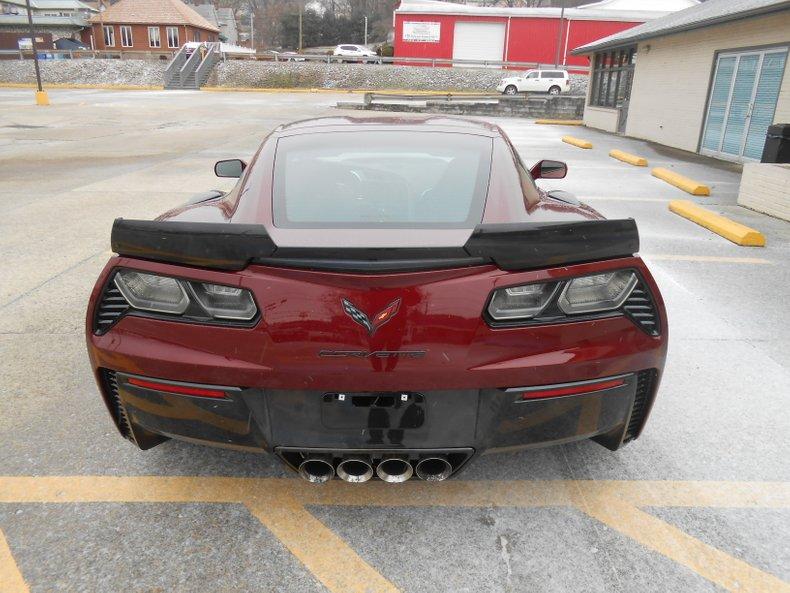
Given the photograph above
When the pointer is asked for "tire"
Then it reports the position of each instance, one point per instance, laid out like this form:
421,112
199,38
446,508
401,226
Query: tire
555,90
511,90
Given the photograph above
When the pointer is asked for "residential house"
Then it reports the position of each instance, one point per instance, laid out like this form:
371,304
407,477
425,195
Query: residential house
148,25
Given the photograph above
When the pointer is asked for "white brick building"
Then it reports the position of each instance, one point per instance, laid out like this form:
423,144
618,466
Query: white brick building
708,79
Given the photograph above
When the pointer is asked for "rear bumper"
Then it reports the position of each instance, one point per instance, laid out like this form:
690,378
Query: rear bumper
483,420
469,373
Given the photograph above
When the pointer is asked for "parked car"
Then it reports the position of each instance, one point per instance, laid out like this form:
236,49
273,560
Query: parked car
552,82
354,51
389,310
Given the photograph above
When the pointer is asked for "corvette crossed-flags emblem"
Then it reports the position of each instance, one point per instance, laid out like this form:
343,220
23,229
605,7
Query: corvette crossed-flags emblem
378,319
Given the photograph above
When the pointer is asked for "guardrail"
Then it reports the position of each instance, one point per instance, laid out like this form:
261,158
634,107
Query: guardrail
327,59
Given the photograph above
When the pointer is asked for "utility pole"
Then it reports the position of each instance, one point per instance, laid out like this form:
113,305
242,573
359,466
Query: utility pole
300,27
366,30
252,30
41,95
559,36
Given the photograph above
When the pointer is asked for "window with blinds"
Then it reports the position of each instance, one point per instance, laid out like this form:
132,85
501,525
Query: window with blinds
742,102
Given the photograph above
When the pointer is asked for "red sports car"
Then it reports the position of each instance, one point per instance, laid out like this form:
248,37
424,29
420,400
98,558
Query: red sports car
386,297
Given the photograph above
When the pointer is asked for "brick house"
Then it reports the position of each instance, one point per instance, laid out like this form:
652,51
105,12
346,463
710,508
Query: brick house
147,25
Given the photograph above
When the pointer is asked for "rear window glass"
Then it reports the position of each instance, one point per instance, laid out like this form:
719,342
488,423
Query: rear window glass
551,74
375,179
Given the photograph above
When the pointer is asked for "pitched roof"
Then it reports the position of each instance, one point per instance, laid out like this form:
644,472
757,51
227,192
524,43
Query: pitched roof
706,14
640,11
163,12
53,5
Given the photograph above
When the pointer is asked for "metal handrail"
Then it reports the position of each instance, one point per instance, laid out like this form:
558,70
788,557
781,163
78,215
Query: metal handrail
189,65
174,67
208,62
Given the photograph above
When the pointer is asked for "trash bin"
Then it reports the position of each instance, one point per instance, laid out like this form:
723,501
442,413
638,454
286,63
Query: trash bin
777,144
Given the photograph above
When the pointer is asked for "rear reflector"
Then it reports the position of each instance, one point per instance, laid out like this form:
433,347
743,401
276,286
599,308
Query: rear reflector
572,389
179,389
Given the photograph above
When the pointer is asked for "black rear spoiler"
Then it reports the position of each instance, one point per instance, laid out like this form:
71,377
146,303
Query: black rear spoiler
520,246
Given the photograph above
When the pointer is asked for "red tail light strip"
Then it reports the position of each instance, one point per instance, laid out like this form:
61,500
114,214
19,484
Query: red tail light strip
572,389
179,389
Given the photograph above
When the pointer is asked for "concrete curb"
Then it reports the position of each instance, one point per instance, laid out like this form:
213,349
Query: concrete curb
737,233
218,89
221,89
62,85
578,142
695,188
627,157
560,122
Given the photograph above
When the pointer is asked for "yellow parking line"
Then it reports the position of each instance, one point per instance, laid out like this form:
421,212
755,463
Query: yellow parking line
722,569
331,560
697,494
578,142
708,259
11,580
688,185
739,234
470,493
280,505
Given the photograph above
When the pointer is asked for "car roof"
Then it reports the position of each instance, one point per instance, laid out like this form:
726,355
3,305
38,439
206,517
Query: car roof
416,124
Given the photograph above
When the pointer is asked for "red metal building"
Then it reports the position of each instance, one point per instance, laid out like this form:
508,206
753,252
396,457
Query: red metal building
444,30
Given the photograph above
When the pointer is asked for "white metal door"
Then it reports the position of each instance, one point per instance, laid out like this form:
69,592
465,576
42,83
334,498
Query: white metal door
479,41
742,103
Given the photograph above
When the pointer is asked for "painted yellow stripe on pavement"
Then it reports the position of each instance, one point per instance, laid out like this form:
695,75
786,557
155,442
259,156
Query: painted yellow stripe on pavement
279,505
702,493
688,185
578,142
708,259
729,229
506,493
68,85
627,157
560,122
722,569
11,580
331,560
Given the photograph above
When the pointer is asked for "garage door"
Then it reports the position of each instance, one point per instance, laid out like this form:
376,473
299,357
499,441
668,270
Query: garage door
479,41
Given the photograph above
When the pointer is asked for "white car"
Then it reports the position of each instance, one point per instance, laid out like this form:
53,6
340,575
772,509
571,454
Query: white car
354,51
552,82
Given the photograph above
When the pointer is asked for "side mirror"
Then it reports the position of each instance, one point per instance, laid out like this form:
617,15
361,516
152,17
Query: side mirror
230,168
549,170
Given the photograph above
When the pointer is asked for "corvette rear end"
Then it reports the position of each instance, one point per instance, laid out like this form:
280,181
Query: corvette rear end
379,298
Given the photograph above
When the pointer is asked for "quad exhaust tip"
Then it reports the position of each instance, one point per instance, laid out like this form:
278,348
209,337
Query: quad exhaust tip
317,469
434,469
394,469
355,469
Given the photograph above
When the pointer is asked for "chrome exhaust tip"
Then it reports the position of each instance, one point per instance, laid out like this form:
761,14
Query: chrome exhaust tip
434,469
394,469
317,469
355,469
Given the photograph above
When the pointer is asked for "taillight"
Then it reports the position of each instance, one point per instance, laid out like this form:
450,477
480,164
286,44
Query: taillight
585,294
179,389
176,298
577,389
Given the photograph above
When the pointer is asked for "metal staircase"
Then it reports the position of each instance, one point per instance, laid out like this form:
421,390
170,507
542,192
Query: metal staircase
189,71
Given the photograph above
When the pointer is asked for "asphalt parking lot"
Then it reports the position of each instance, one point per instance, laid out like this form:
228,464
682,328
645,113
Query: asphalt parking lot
700,503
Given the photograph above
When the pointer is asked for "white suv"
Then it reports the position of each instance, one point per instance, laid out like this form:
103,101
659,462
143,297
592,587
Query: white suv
354,51
552,82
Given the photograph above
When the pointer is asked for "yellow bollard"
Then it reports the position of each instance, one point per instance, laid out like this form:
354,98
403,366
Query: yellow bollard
42,98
